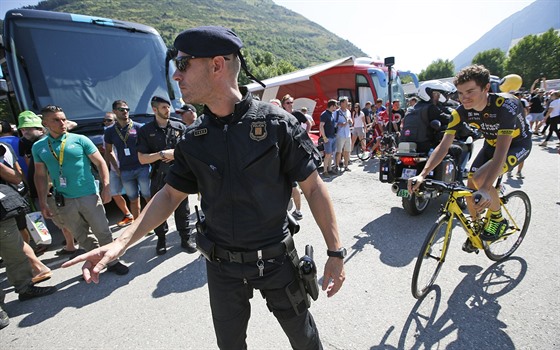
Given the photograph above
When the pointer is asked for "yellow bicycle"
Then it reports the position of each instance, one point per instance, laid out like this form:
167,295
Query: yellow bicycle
516,208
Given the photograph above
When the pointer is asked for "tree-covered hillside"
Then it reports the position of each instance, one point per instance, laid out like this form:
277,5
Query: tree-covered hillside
262,25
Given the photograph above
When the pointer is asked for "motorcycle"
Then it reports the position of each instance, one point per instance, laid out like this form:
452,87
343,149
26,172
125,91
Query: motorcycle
405,163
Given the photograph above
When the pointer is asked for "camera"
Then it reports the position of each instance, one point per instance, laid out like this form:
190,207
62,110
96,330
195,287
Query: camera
59,199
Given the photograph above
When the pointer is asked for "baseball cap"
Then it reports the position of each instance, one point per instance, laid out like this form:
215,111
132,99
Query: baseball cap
28,119
185,108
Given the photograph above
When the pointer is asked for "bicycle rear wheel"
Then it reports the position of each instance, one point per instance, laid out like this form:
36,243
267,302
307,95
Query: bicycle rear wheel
431,257
516,208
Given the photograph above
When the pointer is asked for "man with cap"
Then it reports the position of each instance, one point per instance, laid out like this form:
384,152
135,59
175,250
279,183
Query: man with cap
156,144
242,155
188,114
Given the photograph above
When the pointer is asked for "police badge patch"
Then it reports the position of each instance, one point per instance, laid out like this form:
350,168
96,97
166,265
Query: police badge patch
258,131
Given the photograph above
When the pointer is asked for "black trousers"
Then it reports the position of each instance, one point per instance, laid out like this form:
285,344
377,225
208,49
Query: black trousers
181,213
231,286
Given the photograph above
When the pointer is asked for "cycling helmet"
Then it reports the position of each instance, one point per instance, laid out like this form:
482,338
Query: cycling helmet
426,88
511,82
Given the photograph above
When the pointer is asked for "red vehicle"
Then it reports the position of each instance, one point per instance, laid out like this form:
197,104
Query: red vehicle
361,79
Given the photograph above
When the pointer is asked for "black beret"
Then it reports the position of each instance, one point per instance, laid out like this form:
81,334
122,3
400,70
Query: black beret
160,99
208,41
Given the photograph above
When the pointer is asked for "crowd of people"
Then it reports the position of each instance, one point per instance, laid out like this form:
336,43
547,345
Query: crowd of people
52,168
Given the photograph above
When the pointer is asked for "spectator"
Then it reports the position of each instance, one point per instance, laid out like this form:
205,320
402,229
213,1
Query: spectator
327,129
188,114
250,246
31,128
360,127
134,175
412,101
8,135
276,102
343,120
156,144
310,122
553,118
18,269
398,115
536,110
115,183
287,104
367,112
67,158
40,271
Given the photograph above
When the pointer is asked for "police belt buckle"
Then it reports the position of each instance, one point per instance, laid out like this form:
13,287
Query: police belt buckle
269,252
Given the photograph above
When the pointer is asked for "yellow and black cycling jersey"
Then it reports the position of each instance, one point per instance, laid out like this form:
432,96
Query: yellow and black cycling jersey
503,115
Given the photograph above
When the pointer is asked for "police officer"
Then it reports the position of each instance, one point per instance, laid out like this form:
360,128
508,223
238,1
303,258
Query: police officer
242,156
156,142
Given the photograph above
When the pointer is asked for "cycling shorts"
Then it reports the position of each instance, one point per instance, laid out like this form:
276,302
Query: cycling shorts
517,153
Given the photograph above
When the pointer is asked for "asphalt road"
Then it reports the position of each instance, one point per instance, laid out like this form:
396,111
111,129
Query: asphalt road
477,304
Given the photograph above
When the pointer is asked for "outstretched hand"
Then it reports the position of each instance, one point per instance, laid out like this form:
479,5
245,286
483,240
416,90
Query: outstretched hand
96,260
333,276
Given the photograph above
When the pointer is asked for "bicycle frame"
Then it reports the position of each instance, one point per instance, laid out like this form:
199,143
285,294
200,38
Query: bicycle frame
453,210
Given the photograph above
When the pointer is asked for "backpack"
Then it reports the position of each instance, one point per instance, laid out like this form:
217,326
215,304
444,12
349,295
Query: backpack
416,127
12,203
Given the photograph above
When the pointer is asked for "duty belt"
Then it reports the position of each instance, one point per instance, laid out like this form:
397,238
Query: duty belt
268,252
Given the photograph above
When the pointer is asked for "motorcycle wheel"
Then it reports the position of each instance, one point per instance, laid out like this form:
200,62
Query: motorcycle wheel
415,205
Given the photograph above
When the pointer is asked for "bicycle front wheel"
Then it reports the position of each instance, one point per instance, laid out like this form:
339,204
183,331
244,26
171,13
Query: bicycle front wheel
363,154
431,257
516,208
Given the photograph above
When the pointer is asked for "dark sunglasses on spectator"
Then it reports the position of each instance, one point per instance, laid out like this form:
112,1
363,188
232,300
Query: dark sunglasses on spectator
107,120
181,62
289,102
123,109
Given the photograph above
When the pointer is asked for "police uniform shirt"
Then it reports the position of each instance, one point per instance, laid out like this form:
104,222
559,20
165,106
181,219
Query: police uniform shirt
244,169
152,138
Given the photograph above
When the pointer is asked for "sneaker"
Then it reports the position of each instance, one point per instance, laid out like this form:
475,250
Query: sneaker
297,215
36,292
188,243
494,229
543,144
519,175
347,169
127,220
119,268
468,247
4,319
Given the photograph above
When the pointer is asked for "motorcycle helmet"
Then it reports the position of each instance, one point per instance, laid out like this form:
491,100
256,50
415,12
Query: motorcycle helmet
426,88
511,82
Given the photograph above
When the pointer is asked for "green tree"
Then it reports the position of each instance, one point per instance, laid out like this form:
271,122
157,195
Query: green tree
438,69
533,55
263,65
494,60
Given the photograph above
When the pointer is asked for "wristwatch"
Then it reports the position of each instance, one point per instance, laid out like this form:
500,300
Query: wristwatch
161,154
341,253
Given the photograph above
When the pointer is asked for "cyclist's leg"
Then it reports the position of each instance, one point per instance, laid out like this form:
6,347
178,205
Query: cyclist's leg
483,156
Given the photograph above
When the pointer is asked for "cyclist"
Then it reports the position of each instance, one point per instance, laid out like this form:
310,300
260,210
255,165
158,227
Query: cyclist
507,142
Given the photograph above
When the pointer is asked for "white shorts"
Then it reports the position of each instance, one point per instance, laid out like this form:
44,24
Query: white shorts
343,144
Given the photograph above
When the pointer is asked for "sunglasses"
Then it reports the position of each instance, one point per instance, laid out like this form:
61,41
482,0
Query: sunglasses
123,109
289,102
181,62
107,120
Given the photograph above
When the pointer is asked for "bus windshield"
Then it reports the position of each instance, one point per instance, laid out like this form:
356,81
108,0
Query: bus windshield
83,67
